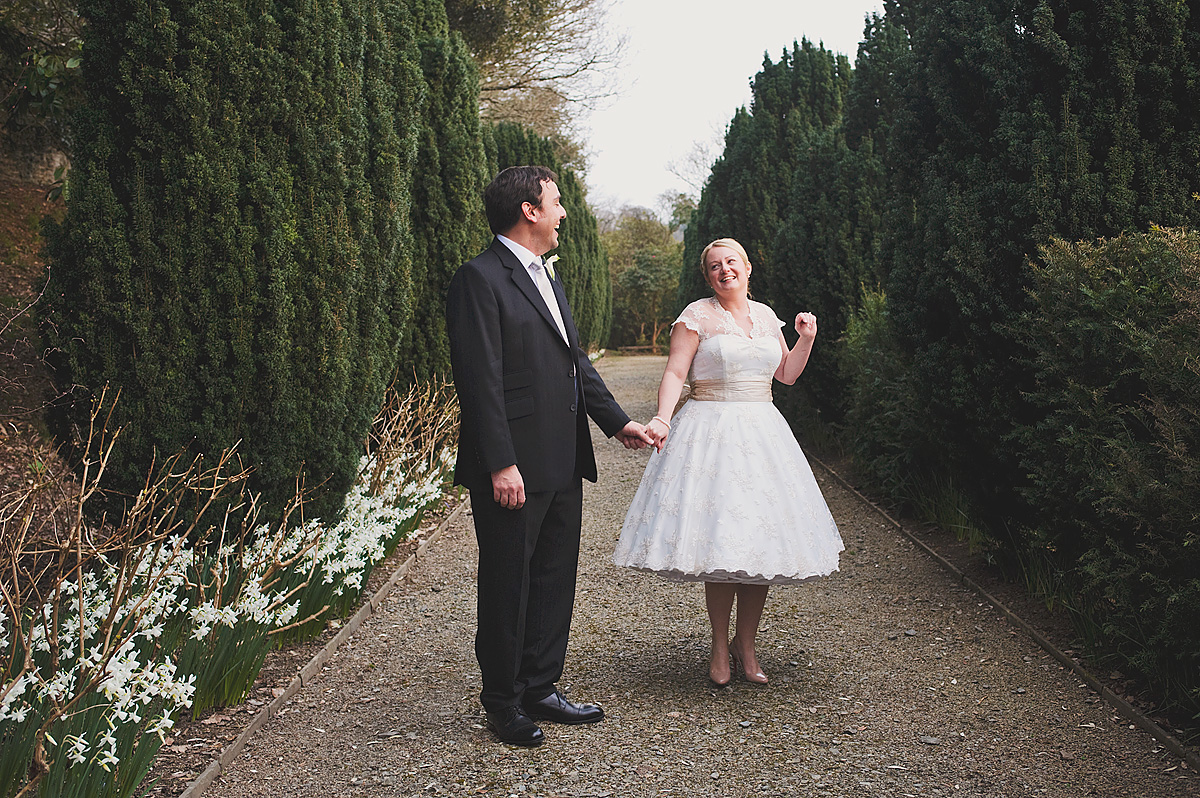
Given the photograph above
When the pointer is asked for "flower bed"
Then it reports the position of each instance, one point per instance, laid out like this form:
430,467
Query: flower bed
109,631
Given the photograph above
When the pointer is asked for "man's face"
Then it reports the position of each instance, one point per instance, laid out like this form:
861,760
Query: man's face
548,216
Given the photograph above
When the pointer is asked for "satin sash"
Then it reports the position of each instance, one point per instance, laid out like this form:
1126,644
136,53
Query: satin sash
746,390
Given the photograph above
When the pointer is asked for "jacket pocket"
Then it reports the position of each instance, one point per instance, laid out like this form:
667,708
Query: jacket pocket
518,407
518,379
518,393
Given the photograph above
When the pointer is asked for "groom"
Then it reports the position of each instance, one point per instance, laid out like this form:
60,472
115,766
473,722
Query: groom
525,389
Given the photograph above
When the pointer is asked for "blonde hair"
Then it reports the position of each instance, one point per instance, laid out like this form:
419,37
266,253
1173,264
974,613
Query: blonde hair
722,242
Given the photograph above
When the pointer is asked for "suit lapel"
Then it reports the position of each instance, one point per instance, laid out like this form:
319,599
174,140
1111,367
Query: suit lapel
564,307
521,278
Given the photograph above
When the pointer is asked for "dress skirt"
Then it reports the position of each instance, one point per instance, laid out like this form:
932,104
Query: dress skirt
730,498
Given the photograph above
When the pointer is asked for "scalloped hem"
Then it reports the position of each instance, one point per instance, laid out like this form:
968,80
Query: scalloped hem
728,577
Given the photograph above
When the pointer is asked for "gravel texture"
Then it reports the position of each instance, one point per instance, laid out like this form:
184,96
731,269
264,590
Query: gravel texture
888,678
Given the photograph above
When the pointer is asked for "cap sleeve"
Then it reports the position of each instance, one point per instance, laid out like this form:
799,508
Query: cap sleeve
766,320
696,318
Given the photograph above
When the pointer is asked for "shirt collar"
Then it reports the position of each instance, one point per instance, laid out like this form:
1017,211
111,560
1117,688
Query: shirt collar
523,255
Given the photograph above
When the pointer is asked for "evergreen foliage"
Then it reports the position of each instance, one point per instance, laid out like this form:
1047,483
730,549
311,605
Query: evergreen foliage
1011,128
447,212
40,67
876,371
583,263
1114,462
957,234
234,257
904,203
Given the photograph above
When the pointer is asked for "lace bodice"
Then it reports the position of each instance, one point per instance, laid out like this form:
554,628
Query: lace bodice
726,353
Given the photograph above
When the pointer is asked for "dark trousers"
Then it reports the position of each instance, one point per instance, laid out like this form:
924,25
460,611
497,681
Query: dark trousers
527,564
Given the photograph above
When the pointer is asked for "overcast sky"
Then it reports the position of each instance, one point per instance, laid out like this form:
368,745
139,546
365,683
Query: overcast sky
687,68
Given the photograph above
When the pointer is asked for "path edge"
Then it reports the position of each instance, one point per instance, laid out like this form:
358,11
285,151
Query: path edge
1123,707
309,672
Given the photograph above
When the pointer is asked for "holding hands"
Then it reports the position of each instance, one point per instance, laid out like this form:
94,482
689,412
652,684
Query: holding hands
508,486
634,436
658,428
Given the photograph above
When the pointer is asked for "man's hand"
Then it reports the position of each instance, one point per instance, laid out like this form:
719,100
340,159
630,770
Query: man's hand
634,436
508,488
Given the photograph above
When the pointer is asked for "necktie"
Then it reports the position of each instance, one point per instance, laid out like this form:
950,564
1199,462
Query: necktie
542,281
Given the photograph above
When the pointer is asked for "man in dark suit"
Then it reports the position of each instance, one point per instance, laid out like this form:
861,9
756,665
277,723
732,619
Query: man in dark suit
525,389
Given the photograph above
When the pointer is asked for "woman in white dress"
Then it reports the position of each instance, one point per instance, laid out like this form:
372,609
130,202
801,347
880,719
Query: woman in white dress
728,498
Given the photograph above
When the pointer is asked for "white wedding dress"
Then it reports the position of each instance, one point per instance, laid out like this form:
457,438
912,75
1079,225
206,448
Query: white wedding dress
731,498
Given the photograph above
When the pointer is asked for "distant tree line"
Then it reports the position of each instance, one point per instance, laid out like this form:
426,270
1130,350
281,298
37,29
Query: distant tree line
266,203
923,205
644,260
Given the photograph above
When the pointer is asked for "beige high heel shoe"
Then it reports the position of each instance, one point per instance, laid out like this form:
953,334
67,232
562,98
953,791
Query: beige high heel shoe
716,682
754,677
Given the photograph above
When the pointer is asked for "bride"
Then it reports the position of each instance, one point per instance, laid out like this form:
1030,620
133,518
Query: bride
728,498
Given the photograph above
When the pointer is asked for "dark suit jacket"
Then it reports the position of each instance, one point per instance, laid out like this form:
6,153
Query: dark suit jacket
516,379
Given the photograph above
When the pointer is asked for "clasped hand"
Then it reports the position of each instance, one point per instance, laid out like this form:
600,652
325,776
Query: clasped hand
658,432
634,436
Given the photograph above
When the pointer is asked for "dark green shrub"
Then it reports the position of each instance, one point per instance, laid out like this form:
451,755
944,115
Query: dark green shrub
447,205
826,251
1114,460
876,372
234,254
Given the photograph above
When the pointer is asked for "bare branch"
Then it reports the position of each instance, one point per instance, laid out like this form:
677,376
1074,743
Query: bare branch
542,65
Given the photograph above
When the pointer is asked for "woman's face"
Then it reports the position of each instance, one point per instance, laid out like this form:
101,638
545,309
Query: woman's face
726,272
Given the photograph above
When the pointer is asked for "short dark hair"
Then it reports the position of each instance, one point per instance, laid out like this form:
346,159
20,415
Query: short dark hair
510,189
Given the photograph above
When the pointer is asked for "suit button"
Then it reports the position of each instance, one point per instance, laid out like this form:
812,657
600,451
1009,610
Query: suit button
573,407
572,372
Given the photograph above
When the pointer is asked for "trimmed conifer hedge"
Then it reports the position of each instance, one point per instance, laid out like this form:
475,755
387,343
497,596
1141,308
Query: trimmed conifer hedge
968,136
235,253
447,217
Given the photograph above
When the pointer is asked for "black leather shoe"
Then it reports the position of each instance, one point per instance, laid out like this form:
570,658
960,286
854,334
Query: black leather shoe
514,727
555,707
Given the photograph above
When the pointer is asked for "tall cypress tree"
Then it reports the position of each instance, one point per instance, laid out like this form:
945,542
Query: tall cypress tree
1117,127
447,210
748,194
957,235
582,264
232,258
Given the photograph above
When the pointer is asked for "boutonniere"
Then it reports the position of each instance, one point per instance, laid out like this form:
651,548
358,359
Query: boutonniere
549,264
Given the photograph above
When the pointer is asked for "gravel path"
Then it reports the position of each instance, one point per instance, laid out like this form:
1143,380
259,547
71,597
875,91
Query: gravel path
887,679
